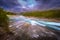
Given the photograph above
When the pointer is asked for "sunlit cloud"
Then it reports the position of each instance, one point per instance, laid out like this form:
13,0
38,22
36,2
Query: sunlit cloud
26,5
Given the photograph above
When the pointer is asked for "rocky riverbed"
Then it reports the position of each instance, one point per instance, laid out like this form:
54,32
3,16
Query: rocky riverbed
25,28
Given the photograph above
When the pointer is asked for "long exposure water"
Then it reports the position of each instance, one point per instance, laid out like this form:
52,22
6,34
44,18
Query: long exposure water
20,21
33,21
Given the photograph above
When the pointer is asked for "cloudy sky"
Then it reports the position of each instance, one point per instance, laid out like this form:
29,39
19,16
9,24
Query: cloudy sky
24,5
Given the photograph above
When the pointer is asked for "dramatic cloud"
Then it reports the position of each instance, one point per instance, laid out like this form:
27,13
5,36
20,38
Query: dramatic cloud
22,5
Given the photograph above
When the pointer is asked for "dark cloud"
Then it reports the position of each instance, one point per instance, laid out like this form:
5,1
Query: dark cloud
41,4
8,3
45,4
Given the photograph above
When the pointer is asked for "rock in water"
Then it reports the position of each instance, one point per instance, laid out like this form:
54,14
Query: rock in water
33,32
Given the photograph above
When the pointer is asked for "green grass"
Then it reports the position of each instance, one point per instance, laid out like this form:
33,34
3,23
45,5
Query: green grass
45,14
4,20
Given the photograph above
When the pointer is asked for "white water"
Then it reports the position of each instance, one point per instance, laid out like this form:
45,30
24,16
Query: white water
52,25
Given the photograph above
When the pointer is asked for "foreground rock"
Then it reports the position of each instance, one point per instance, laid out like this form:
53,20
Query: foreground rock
32,32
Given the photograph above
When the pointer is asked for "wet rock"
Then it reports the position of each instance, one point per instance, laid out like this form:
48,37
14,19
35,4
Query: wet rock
33,32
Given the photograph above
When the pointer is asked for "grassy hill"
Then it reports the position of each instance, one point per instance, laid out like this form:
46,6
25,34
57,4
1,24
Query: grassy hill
40,14
45,14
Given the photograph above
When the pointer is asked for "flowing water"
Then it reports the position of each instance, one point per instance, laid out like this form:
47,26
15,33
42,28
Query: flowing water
34,27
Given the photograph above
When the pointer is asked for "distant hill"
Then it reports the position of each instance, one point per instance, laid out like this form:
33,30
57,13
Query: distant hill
46,14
